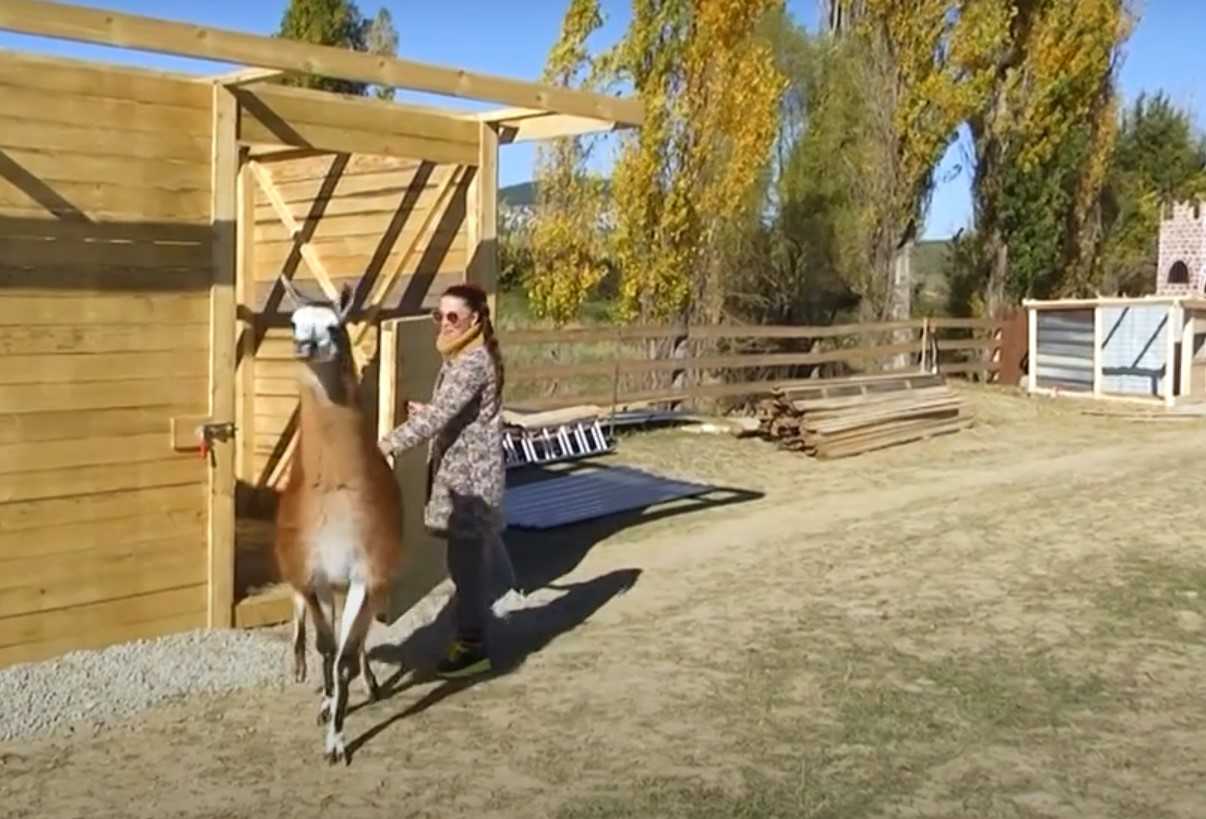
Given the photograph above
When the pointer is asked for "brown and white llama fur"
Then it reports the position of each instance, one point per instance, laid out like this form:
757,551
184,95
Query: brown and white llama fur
339,518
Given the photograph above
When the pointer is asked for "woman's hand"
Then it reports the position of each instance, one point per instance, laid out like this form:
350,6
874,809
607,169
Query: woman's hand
413,407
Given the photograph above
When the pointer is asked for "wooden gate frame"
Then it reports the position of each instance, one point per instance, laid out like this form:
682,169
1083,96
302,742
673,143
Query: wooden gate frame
536,111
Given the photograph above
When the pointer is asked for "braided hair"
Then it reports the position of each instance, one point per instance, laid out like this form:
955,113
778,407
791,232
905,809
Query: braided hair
475,299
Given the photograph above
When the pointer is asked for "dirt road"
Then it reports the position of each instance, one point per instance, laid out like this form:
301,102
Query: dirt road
1005,622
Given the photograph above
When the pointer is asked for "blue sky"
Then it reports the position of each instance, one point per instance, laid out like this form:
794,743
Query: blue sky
1165,51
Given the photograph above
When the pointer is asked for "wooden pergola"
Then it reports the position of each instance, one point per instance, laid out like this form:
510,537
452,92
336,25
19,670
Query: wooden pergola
160,212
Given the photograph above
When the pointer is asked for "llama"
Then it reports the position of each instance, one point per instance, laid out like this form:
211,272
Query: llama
339,518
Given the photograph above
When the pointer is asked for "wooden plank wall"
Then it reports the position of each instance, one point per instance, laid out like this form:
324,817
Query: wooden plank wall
105,265
367,219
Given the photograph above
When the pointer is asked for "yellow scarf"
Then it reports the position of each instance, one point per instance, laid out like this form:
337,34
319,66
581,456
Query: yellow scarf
450,348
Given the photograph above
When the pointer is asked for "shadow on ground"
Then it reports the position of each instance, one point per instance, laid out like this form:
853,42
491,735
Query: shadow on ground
541,558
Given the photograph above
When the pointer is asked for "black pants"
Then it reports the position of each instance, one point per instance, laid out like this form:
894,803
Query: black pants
470,559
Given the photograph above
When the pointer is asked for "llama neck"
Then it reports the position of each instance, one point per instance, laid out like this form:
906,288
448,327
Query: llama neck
330,383
331,428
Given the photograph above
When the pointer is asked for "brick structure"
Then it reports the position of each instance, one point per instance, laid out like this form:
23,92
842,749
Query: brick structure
1181,265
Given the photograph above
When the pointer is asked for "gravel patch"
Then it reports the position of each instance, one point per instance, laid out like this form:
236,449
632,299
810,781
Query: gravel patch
93,689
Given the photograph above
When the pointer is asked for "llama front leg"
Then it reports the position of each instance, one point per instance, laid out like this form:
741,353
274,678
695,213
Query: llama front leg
322,610
354,625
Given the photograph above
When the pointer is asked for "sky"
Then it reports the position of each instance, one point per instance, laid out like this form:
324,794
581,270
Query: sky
1164,52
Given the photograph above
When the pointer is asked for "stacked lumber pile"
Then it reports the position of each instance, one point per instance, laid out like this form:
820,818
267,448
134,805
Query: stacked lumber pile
837,421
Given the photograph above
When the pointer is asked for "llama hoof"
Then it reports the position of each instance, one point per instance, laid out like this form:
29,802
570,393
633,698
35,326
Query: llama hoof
299,673
371,689
324,712
335,751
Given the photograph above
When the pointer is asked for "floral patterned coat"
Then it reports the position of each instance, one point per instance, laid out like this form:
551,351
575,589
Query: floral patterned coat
466,474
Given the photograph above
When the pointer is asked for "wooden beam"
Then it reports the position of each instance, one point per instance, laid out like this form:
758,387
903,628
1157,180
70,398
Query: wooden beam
530,124
1171,337
501,114
221,540
338,123
246,76
1188,324
1031,349
482,213
264,179
90,25
271,153
245,290
1098,342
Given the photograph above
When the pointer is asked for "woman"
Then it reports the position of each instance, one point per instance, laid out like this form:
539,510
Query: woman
465,477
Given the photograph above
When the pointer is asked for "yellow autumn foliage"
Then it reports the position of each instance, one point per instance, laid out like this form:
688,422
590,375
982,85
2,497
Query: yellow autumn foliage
710,92
566,242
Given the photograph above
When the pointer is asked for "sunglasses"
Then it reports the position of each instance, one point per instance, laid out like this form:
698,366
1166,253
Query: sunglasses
452,317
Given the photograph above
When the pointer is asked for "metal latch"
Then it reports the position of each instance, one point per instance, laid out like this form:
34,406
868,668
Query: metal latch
214,432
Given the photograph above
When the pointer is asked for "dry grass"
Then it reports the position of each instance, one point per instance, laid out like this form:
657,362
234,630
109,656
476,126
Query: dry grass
1006,622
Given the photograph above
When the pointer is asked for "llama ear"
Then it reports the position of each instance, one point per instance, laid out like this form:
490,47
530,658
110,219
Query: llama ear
291,289
345,302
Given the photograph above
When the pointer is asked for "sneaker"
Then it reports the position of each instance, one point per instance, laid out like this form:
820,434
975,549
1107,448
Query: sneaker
464,660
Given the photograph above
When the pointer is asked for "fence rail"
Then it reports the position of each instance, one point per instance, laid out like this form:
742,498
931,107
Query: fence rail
952,346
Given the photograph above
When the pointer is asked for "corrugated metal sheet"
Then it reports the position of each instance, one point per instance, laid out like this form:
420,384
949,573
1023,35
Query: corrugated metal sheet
576,497
1133,349
1065,349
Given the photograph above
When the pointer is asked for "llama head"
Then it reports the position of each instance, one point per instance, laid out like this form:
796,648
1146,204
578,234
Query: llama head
319,335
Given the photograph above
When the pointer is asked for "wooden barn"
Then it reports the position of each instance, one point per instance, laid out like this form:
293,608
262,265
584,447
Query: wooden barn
146,220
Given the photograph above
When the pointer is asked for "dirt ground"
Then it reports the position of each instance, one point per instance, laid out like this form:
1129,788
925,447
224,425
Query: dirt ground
1007,622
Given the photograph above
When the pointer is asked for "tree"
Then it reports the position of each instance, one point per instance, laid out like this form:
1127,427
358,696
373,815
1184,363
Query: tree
711,91
381,38
337,23
1042,139
919,95
1158,158
567,248
800,243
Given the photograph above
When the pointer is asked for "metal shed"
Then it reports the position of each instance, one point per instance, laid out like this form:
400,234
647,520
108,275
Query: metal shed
1143,349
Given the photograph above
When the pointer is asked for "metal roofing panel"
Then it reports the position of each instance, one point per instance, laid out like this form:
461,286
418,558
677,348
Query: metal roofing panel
577,497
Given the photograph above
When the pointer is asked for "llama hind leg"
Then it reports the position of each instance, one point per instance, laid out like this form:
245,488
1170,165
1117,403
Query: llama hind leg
299,638
354,625
371,689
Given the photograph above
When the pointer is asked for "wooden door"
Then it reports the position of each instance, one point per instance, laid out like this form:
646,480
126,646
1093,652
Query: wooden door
409,364
394,230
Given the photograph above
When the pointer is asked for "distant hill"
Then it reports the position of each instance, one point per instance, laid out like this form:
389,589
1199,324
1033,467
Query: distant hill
522,195
929,266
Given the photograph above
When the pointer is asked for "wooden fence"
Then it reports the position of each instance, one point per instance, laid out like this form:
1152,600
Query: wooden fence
627,366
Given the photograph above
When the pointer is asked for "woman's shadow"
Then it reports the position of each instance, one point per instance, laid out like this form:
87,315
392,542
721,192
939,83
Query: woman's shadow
512,640
540,559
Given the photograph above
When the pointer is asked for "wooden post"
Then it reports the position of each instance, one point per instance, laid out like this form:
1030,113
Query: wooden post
223,218
245,287
1170,355
1032,348
1097,342
1188,331
482,212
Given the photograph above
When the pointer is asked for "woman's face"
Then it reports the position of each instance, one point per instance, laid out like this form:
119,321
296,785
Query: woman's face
453,316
